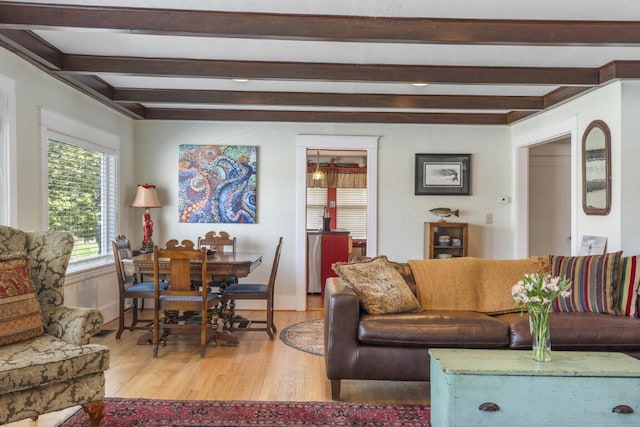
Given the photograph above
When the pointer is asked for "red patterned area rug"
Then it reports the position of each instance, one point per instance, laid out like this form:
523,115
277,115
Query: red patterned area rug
122,412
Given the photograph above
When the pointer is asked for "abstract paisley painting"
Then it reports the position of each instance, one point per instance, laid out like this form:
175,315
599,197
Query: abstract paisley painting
217,184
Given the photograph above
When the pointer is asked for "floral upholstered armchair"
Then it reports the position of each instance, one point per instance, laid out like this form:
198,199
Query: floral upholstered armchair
46,361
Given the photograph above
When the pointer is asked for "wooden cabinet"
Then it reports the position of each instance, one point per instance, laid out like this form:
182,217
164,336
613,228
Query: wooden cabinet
497,387
446,239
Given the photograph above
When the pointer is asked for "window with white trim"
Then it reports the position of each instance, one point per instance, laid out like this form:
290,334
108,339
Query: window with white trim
81,193
351,212
316,202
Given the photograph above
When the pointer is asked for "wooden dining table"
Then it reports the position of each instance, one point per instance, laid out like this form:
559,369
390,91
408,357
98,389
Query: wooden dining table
229,264
224,264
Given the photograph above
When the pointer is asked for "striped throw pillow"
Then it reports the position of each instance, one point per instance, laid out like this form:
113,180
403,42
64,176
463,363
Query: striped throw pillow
593,282
626,296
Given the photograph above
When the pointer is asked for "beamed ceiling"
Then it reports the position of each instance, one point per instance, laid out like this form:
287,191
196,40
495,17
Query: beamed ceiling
488,62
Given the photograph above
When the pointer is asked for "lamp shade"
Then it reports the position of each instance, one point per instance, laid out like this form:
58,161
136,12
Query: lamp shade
146,197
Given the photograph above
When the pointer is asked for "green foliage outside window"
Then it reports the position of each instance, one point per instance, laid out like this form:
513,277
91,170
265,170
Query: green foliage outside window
74,185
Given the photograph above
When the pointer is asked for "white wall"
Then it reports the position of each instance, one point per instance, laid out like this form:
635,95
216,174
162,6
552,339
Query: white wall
603,104
153,159
629,179
401,214
35,89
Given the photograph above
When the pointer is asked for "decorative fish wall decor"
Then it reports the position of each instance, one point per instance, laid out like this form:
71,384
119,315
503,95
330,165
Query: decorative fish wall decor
444,212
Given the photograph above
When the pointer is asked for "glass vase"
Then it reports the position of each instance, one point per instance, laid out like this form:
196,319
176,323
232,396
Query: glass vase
541,334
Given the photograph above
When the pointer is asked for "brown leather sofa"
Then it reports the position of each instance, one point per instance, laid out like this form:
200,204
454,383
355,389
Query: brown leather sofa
362,346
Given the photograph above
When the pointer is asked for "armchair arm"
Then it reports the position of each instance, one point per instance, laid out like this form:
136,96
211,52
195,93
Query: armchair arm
341,320
76,325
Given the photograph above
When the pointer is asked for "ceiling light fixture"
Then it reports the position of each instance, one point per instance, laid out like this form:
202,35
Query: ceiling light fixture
419,84
318,175
237,80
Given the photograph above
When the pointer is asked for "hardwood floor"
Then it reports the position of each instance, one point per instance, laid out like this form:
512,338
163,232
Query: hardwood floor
257,369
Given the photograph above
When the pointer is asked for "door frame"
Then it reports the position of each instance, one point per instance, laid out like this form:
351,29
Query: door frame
520,153
331,142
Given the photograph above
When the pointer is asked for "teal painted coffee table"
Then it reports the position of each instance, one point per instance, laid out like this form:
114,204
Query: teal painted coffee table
507,388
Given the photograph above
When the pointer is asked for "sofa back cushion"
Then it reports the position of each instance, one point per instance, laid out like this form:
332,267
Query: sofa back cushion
473,284
593,282
20,312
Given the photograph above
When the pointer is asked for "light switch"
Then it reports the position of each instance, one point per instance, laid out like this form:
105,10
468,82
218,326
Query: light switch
489,219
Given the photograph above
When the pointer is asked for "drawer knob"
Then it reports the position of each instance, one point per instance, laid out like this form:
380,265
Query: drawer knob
622,409
489,407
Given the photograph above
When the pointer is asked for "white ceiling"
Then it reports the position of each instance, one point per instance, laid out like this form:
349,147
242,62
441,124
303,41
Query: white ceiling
486,9
133,43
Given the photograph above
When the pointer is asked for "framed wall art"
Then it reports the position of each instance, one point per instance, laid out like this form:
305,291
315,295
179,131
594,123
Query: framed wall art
593,245
443,174
217,184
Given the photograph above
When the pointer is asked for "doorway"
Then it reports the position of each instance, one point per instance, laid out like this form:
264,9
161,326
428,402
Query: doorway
566,130
549,198
368,144
336,214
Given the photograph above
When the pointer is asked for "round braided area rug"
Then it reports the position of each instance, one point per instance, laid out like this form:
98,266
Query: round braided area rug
306,336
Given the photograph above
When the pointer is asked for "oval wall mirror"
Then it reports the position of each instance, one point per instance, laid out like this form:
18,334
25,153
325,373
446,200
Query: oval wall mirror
596,169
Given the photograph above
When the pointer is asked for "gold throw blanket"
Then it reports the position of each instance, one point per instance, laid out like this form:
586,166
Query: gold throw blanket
474,284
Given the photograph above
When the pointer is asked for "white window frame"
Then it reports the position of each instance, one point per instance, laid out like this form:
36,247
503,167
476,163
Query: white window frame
8,171
62,128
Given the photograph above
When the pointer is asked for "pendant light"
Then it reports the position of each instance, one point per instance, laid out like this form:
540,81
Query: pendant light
318,175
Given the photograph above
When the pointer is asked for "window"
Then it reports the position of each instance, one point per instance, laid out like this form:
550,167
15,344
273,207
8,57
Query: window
316,202
81,191
352,211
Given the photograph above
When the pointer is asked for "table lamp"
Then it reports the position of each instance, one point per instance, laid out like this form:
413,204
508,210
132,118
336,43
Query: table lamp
146,198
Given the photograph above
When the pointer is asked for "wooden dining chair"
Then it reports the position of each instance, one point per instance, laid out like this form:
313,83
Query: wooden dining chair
186,309
220,242
251,291
129,288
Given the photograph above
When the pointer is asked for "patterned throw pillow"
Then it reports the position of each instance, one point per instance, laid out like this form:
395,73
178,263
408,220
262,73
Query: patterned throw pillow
20,313
594,279
626,296
379,286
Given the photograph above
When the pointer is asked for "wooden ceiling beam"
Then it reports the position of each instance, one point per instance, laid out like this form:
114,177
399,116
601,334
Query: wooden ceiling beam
194,68
327,99
32,48
563,94
320,27
325,116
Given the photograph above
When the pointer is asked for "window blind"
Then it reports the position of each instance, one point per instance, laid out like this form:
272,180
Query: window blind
352,211
82,196
316,202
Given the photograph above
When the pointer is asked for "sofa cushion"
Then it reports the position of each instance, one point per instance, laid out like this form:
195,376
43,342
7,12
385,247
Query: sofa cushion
379,286
579,331
46,359
593,281
626,295
434,328
20,312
